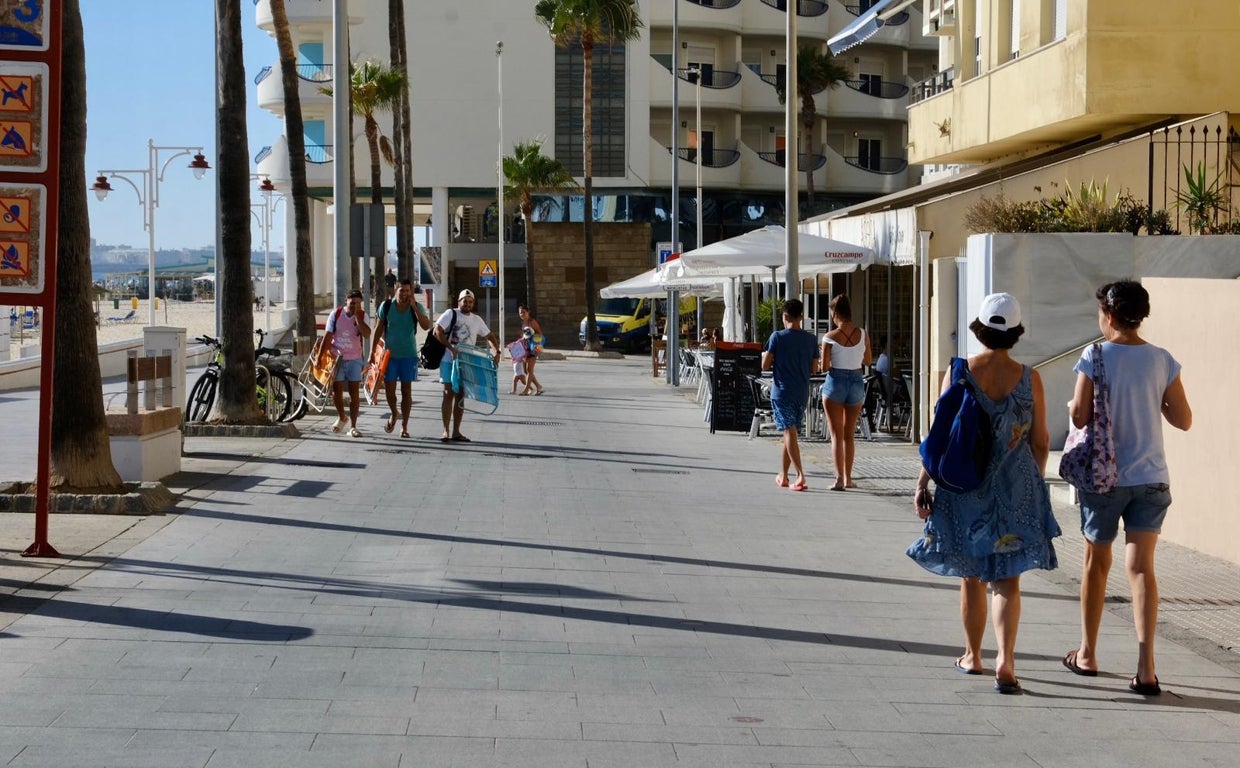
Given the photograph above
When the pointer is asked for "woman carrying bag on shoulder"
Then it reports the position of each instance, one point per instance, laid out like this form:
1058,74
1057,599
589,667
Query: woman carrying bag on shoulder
1144,388
993,533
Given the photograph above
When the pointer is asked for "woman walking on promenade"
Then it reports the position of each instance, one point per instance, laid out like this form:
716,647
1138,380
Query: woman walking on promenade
1144,382
994,533
528,320
845,349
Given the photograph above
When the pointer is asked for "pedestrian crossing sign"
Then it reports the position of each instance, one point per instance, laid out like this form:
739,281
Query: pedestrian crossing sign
488,274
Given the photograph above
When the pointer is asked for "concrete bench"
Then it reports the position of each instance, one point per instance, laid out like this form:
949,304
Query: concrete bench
146,441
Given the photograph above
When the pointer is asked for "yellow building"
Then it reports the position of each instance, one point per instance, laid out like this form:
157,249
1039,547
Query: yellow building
1020,77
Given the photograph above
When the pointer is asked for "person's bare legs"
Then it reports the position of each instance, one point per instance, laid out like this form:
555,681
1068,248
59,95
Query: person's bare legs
1005,614
852,414
458,413
835,422
791,456
406,405
338,401
532,382
445,409
355,402
1093,596
1139,563
389,391
973,617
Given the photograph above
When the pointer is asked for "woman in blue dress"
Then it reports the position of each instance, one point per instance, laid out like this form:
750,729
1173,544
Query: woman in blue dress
991,535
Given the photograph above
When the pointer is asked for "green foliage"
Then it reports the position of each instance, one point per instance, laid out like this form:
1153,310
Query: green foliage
1201,199
1085,209
767,310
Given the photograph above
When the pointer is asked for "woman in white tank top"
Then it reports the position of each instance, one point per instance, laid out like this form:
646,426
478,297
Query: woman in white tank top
845,351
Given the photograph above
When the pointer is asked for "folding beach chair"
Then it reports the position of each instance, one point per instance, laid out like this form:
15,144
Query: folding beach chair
318,375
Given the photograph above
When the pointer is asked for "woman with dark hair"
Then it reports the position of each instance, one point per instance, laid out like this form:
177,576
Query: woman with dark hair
845,351
532,384
994,533
1145,387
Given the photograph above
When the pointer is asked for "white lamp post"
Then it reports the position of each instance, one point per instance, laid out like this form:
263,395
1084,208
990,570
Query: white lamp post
499,185
268,208
148,196
696,71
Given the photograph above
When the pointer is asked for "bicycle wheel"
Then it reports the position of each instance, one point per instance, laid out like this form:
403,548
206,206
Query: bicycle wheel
262,385
202,397
282,394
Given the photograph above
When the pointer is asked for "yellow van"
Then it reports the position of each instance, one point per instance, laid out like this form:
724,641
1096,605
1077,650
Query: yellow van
624,324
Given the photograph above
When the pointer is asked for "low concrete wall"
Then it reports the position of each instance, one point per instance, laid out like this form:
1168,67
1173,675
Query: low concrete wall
1196,320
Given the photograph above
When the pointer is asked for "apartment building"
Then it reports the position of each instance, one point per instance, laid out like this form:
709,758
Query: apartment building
857,148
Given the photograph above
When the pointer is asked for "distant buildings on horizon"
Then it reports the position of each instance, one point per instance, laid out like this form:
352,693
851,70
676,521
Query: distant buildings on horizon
107,259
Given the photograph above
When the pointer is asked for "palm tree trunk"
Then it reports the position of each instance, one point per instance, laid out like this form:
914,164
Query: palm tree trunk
295,137
404,209
238,399
80,457
371,127
587,143
411,266
531,274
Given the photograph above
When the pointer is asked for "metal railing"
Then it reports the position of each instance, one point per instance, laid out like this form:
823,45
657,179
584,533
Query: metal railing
884,89
715,158
887,166
777,158
1077,350
319,153
262,155
716,3
804,7
932,86
1211,153
712,79
311,73
776,80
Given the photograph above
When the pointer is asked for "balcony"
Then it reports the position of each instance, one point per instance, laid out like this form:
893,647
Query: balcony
721,168
764,171
697,15
719,89
865,176
758,92
869,100
272,162
310,78
302,14
932,86
766,17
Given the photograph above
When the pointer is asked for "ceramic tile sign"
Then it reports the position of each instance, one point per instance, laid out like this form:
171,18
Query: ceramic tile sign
22,234
23,25
23,115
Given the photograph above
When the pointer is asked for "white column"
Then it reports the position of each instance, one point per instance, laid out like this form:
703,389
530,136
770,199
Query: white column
289,317
441,229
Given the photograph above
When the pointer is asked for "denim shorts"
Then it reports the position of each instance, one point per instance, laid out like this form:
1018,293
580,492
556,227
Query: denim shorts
844,387
401,369
349,370
1141,507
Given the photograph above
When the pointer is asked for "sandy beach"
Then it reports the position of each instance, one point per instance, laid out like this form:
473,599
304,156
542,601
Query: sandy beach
196,317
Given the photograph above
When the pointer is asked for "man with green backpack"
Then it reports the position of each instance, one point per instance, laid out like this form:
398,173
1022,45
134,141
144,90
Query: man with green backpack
398,325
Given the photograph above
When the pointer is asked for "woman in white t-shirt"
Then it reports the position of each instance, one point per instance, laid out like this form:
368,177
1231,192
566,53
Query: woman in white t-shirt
1145,386
845,352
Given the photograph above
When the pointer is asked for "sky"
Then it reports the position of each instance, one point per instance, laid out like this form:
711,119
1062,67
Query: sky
150,74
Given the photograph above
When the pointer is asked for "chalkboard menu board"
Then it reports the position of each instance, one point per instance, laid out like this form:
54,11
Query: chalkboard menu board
732,402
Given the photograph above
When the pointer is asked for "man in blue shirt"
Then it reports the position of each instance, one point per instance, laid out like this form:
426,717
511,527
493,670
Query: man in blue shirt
792,357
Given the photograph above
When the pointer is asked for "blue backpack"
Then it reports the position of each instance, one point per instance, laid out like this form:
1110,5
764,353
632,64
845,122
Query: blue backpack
957,450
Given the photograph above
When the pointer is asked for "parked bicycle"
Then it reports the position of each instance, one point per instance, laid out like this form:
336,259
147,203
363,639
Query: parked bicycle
275,385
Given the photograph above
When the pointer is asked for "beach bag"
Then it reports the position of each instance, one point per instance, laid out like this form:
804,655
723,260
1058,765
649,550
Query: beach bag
432,351
1088,460
517,350
957,450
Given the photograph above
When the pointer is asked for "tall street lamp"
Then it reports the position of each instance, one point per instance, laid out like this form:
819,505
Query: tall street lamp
267,209
695,73
148,197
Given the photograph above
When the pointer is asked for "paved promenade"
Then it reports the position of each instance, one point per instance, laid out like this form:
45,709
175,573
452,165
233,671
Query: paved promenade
594,581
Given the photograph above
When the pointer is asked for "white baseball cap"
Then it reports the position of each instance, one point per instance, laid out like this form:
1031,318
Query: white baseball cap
465,292
1000,311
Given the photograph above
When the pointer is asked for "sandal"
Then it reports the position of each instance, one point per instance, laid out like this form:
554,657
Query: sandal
339,425
781,481
390,425
461,439
799,486
1145,689
404,433
355,432
1069,662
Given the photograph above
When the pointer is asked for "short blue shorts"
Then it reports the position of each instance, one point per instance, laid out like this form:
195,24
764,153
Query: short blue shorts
401,369
1141,507
788,414
844,387
349,370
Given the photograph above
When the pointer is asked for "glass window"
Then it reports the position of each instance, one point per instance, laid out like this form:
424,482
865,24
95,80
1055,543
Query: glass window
609,109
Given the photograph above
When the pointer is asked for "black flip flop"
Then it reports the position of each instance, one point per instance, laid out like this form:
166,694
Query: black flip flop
461,439
1069,661
1145,689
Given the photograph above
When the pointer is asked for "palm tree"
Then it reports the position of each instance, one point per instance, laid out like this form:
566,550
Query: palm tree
817,70
526,171
373,88
294,128
80,457
403,150
583,22
238,399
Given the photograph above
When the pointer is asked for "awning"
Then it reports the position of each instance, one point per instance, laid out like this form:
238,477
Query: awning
863,28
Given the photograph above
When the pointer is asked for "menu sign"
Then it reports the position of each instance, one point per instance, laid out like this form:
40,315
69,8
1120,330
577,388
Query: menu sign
732,403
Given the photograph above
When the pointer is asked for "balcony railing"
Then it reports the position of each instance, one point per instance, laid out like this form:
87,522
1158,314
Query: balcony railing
900,18
777,158
932,85
262,155
319,153
881,89
311,73
804,7
712,79
714,158
716,3
888,166
775,81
